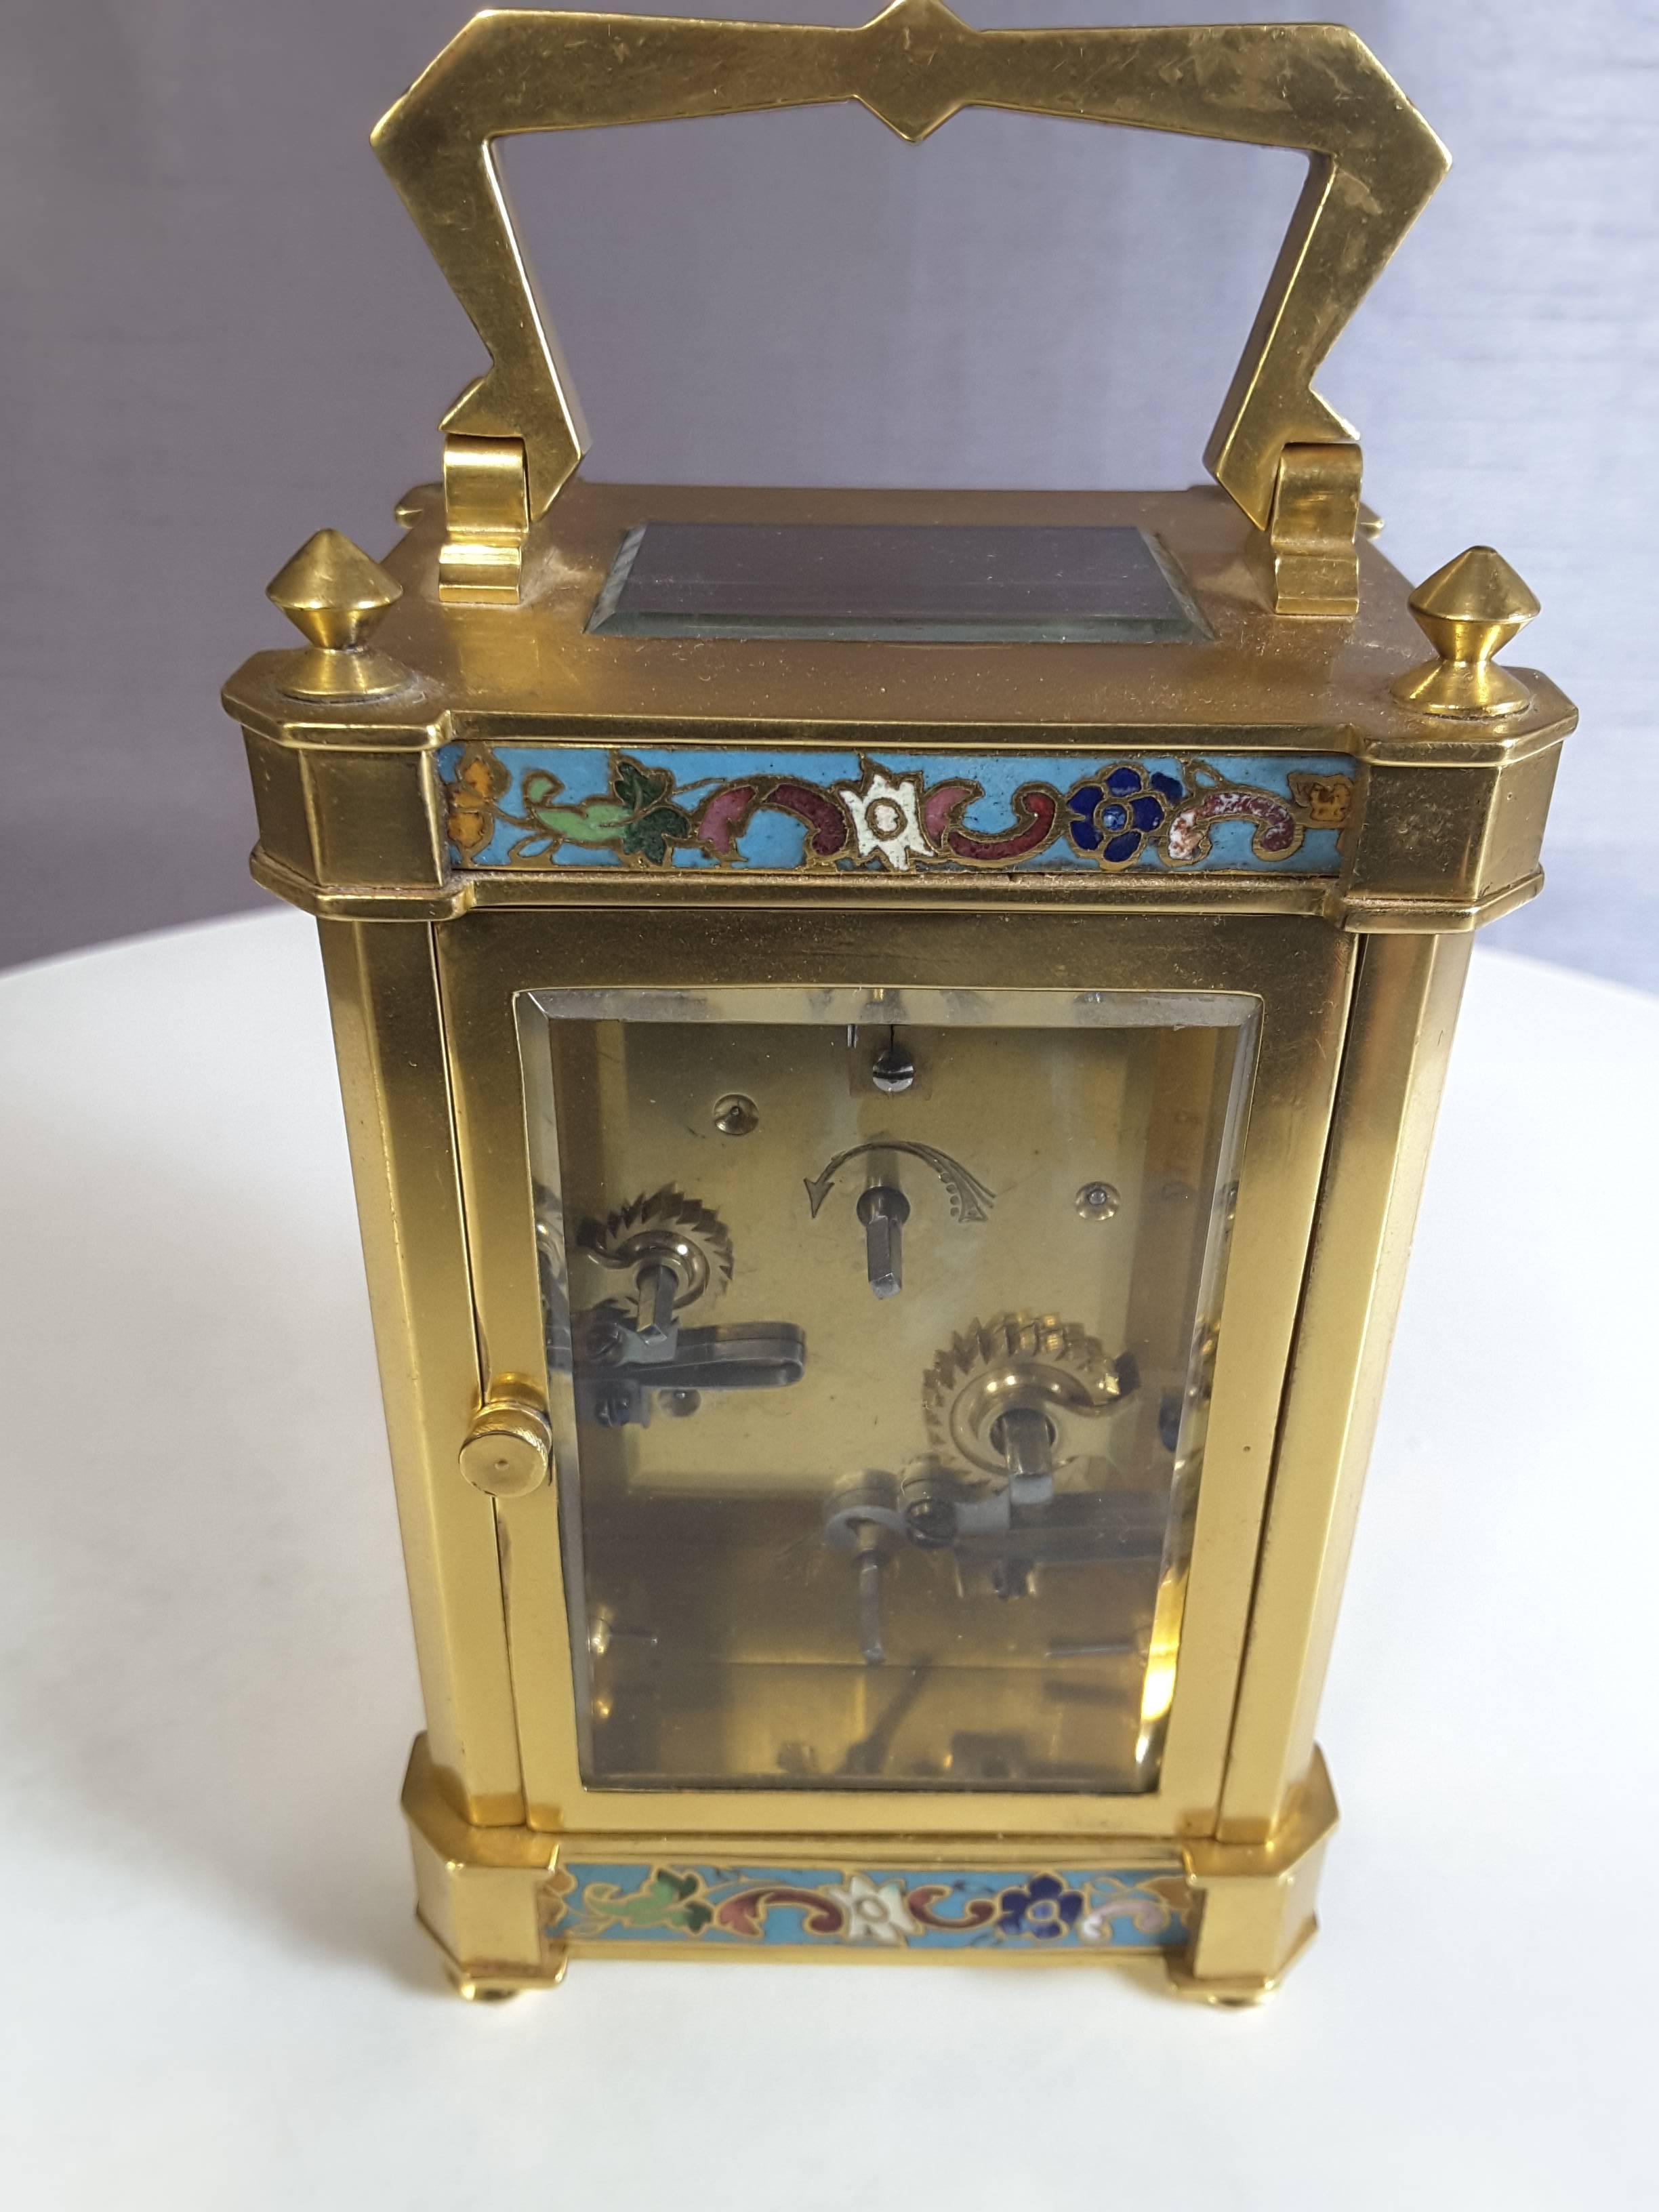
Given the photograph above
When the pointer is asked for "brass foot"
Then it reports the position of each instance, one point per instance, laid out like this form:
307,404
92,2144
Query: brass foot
487,1988
1234,1993
1255,1903
1218,2000
480,1992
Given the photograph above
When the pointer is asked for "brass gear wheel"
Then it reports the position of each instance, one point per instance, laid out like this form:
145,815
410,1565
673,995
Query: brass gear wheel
666,1228
1018,1359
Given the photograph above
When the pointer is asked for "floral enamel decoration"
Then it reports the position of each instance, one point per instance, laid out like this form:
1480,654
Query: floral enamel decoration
1279,825
636,818
576,806
478,785
1148,1908
1044,1909
1116,817
876,1911
887,819
885,1909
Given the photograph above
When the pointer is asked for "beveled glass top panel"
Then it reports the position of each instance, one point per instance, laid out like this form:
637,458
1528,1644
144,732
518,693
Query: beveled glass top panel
904,583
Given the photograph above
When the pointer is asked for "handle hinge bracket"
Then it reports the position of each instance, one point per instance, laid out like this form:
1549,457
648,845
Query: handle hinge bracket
486,521
1311,547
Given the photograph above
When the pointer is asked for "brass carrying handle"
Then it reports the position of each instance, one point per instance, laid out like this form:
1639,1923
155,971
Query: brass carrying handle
1373,163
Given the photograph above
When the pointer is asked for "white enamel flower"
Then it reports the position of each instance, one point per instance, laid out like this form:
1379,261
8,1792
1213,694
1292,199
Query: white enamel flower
886,817
876,1912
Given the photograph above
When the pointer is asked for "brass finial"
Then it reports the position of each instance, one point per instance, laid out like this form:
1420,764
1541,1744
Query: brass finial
334,595
1468,610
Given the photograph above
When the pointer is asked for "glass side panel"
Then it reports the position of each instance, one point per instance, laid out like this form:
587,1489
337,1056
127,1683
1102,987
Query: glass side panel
908,583
880,1328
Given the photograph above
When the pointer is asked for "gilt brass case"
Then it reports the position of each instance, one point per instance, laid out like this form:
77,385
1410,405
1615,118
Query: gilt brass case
890,1042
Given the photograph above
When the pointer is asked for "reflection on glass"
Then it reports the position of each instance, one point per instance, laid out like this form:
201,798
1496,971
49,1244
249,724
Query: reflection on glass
903,582
879,1326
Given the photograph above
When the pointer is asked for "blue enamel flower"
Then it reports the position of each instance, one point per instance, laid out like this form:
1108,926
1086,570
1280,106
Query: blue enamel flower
1043,1908
1114,820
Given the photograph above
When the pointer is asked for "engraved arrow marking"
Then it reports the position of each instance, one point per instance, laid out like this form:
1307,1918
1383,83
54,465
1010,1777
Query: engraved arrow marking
970,1198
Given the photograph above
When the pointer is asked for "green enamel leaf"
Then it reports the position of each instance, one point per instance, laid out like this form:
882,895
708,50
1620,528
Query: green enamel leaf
653,833
640,788
666,1900
587,821
595,821
539,788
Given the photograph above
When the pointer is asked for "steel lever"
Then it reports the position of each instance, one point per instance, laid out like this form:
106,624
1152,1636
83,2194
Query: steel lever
617,1375
884,1211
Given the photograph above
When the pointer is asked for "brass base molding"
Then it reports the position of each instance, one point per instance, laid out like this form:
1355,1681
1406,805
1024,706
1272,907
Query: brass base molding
509,1908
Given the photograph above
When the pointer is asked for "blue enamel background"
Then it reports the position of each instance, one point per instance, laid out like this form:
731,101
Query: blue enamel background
1127,1915
773,840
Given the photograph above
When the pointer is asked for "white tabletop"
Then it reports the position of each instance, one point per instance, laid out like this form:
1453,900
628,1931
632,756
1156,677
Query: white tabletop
216,1997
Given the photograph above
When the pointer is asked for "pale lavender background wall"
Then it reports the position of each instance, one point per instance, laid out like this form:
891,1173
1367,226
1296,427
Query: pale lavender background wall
218,331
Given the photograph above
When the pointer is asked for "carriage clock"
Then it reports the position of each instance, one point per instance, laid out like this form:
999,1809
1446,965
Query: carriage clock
889,1041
